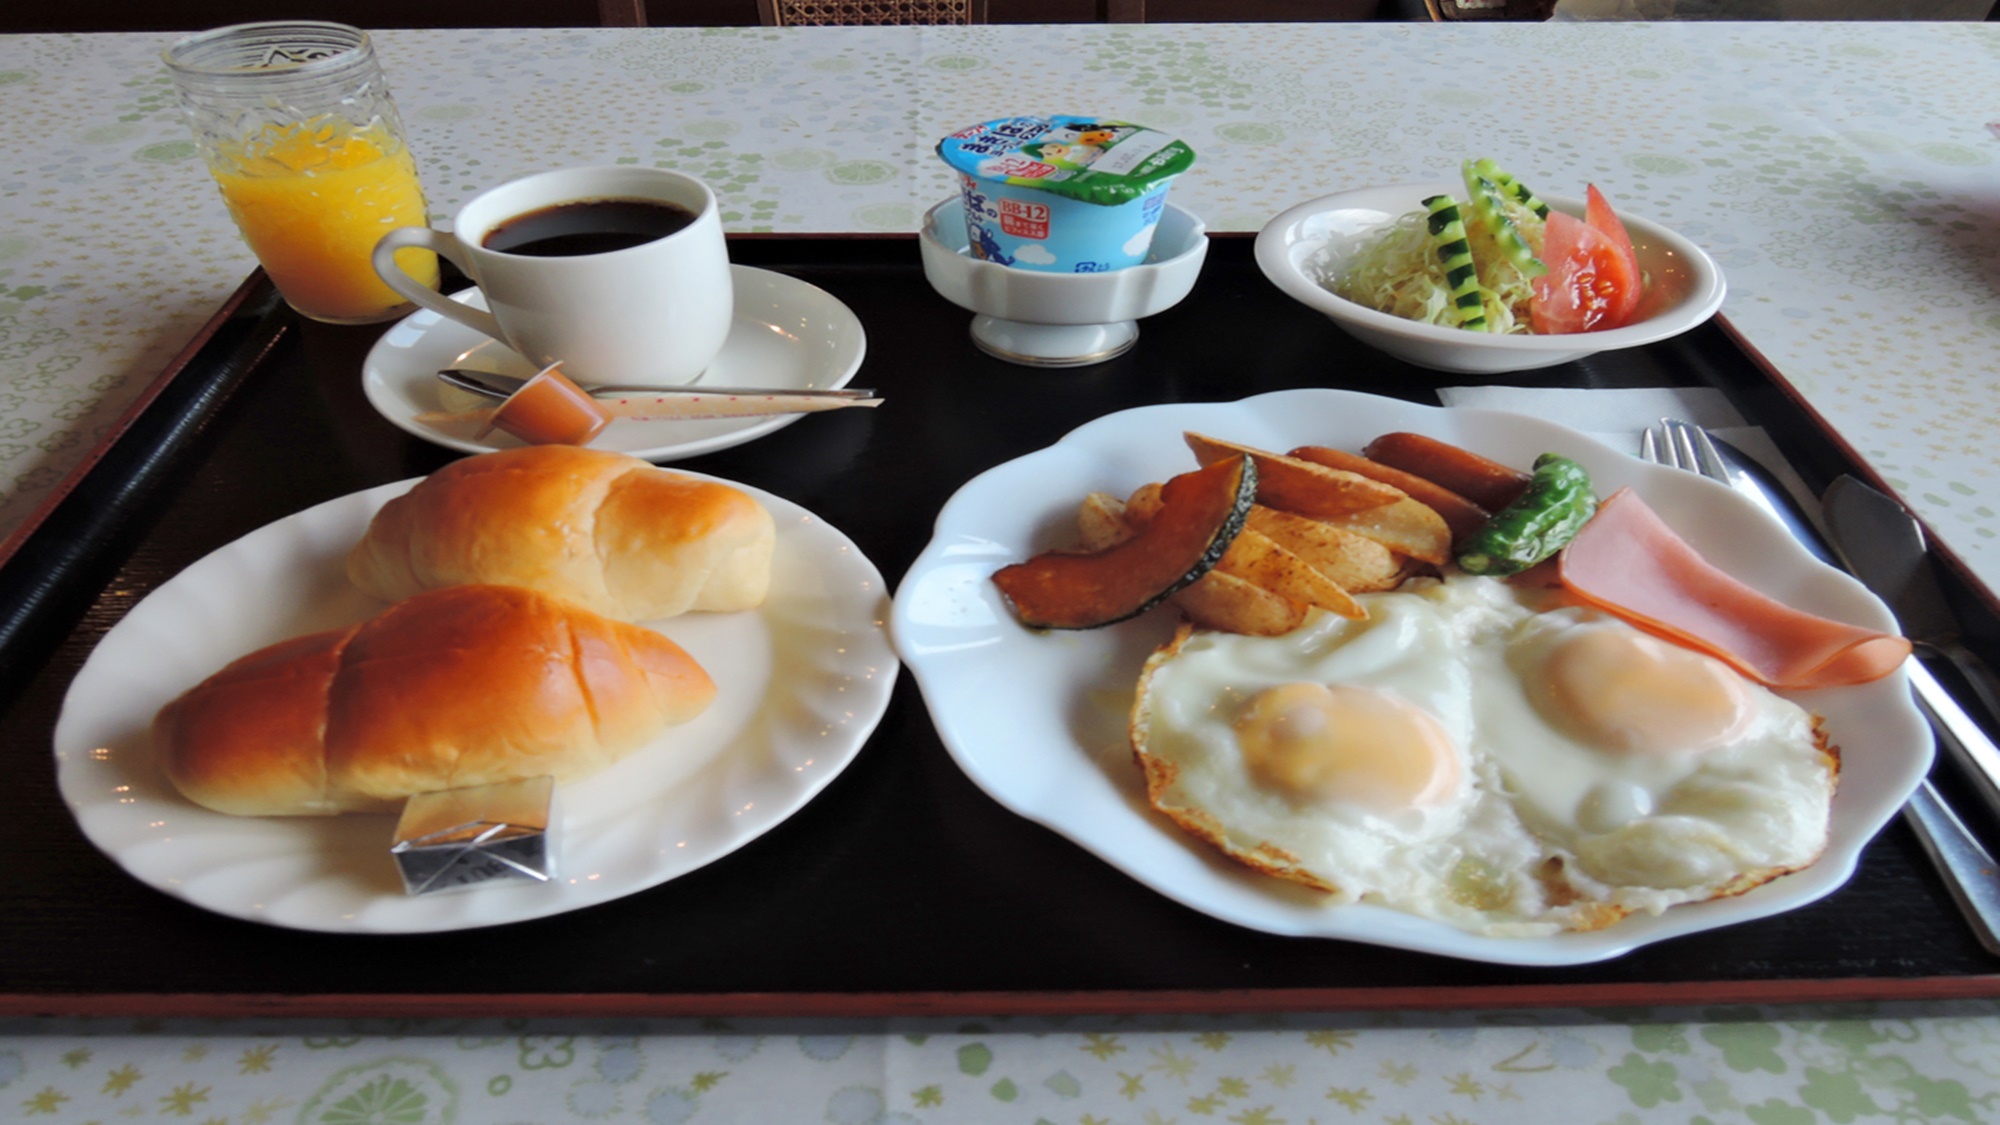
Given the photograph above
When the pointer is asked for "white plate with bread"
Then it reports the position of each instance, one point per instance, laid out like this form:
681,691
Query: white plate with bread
786,333
800,682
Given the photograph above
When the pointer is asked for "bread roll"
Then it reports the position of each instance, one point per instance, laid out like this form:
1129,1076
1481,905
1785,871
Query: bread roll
609,532
463,686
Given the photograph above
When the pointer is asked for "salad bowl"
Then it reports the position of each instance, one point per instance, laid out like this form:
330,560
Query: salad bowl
1304,249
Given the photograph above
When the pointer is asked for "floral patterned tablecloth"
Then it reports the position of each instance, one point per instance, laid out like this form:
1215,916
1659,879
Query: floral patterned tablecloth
1844,175
1754,1066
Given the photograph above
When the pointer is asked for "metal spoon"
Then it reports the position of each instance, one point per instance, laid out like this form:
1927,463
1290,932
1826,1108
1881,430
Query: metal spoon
490,385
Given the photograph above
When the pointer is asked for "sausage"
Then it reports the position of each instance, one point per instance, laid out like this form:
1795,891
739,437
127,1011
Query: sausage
1485,482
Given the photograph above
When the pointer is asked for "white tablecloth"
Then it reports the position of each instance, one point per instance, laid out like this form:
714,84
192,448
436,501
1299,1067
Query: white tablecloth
1843,174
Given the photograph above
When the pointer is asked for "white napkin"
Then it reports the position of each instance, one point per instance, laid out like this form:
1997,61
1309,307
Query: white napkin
1617,417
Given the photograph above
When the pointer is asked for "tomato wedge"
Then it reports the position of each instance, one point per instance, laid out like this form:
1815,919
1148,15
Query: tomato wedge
1590,284
1598,214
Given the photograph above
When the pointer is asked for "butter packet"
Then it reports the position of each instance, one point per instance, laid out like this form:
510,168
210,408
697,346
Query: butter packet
1063,193
459,839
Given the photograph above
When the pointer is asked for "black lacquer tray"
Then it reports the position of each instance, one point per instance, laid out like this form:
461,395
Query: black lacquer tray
901,888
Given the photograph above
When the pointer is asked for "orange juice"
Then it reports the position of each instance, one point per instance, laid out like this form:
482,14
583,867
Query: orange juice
312,200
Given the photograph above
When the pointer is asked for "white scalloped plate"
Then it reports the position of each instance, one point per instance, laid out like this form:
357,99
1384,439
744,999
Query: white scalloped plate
1038,719
802,681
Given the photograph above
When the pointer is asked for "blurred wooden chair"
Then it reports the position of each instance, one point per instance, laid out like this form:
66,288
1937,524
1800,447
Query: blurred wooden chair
866,13
1451,11
1601,11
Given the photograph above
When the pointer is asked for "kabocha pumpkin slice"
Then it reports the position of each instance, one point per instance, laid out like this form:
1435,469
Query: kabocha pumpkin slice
1201,513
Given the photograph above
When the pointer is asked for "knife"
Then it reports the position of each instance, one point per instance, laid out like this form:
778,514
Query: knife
1954,849
1885,545
1858,529
1961,736
1971,869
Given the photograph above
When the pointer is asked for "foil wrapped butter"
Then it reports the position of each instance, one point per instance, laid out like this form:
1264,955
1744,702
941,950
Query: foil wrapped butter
460,839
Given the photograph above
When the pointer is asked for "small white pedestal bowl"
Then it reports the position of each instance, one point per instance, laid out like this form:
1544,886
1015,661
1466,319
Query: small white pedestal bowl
1060,319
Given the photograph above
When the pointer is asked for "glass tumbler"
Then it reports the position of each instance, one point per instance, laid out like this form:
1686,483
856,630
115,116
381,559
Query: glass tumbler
295,122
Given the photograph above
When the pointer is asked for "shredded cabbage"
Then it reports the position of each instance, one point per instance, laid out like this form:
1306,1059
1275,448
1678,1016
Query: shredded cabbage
1399,273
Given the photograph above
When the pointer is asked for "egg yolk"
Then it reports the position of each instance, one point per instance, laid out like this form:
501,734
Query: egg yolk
1354,744
1624,690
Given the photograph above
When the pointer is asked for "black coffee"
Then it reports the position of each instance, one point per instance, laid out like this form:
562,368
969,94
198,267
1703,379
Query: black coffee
587,226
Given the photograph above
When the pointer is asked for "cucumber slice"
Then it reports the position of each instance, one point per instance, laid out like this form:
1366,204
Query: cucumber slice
1489,210
1511,186
1447,228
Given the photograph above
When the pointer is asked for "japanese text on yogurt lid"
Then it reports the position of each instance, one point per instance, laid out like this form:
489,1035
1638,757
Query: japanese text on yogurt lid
1088,159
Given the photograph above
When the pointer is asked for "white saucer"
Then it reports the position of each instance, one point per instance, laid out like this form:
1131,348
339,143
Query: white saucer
786,334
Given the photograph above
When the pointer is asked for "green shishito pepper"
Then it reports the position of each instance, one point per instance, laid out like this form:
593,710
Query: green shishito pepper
1537,524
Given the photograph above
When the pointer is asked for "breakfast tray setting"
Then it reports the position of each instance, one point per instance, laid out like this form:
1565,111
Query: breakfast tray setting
893,883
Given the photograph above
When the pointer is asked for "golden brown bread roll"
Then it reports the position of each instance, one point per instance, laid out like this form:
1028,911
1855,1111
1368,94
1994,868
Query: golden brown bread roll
462,686
604,530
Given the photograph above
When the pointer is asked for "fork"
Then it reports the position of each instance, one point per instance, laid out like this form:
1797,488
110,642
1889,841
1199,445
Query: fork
1968,869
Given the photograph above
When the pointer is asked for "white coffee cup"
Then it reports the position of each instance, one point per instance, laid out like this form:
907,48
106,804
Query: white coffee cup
656,313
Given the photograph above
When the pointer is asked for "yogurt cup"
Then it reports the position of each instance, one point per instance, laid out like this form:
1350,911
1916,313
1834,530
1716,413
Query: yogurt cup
1062,193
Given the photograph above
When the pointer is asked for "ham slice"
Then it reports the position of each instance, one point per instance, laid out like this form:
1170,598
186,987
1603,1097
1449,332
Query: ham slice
1628,562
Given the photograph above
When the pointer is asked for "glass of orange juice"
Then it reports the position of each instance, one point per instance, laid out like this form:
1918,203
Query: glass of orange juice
295,122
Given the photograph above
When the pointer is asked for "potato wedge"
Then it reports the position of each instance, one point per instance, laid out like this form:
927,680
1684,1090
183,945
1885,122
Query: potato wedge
1299,559
1253,557
1101,523
1143,504
1405,527
1463,516
1353,561
1230,604
1299,486
1270,566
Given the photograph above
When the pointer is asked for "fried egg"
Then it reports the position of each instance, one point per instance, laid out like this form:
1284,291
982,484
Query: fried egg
1485,755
